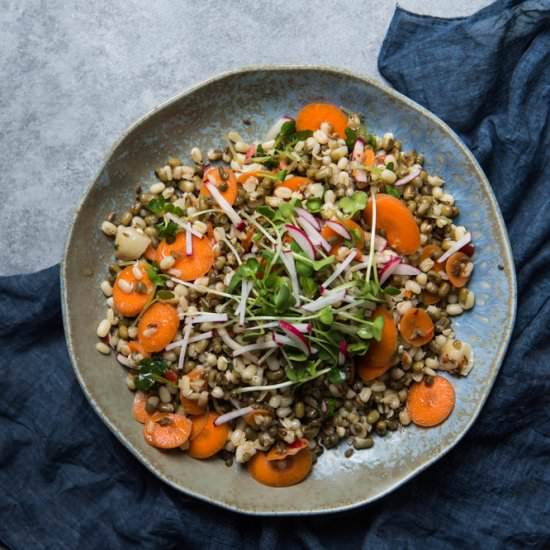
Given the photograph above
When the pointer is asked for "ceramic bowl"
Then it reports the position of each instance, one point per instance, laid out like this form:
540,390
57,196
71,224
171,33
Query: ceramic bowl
201,116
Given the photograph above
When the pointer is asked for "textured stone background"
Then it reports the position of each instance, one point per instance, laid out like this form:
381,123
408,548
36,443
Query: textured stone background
74,75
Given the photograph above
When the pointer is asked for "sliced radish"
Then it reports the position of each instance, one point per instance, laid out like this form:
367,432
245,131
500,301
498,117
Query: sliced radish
358,150
379,242
339,269
188,242
294,334
342,352
405,269
209,318
224,205
314,236
184,342
309,217
283,340
246,287
227,417
203,336
328,299
251,151
273,132
288,260
339,228
254,347
302,240
388,269
414,174
455,248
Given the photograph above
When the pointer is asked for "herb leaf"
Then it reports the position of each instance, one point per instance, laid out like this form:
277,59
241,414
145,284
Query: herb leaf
159,206
351,205
314,205
336,376
157,278
150,371
392,190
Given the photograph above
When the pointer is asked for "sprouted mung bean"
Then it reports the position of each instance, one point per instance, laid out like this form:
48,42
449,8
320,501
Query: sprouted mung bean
286,297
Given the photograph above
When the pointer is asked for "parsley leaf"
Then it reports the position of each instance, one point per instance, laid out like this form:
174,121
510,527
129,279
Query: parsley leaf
149,372
167,230
160,206
392,190
336,376
157,278
351,205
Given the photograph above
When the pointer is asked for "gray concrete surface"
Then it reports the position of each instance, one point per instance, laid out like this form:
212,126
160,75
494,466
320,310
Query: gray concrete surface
74,75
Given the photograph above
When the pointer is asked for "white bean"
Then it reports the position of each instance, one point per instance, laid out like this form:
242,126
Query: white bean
103,328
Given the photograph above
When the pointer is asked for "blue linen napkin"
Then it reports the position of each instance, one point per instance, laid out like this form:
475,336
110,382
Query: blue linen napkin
66,482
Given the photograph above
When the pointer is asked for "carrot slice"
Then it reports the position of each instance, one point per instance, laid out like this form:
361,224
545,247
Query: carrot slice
416,327
136,347
369,157
296,183
131,303
167,430
210,440
199,423
455,269
314,114
380,353
191,406
157,327
227,187
138,408
281,473
393,216
151,254
190,267
430,405
367,373
290,450
432,251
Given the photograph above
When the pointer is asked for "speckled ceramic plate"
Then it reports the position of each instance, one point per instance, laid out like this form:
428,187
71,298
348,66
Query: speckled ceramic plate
200,116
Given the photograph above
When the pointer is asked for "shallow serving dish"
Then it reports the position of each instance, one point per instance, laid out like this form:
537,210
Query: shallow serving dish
201,116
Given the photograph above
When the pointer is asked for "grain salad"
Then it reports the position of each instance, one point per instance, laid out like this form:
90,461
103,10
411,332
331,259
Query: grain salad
275,299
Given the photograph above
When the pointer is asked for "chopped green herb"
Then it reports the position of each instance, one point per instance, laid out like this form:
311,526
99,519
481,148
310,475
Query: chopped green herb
149,372
393,191
160,206
336,376
314,205
157,278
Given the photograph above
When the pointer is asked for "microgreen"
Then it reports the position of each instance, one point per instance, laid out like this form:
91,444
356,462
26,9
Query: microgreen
351,205
392,190
155,276
314,205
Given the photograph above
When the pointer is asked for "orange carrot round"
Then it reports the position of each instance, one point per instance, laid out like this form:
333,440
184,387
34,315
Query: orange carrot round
151,254
210,440
191,406
190,267
314,114
138,408
369,157
131,303
199,423
381,353
289,450
367,373
432,251
296,183
416,327
281,473
430,405
393,216
455,267
227,187
158,327
167,430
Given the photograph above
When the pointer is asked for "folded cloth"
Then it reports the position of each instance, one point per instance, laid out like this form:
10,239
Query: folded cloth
66,482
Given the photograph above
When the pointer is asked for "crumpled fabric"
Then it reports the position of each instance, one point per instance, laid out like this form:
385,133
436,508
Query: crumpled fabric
66,482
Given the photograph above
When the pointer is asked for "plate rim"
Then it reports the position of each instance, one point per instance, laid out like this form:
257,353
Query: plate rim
486,188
